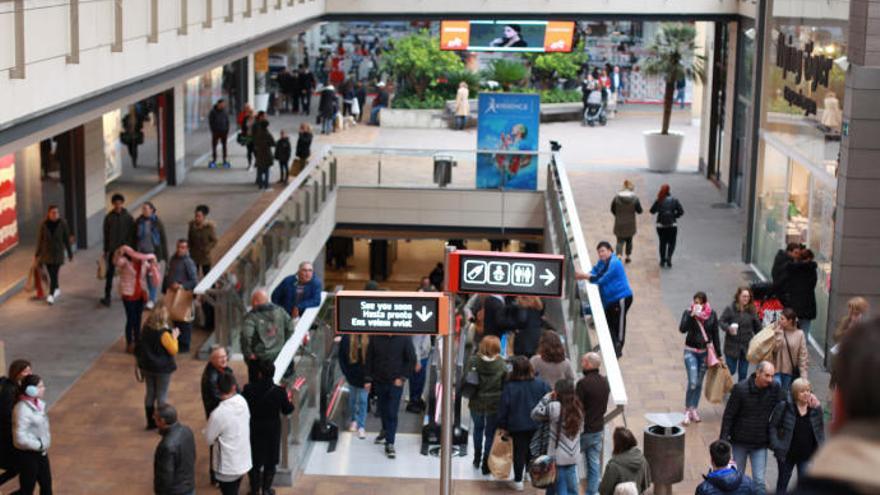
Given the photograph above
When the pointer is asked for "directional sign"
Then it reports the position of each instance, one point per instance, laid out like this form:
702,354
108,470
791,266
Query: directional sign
403,313
506,273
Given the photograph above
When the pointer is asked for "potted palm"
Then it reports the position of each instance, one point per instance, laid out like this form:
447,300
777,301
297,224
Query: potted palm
673,56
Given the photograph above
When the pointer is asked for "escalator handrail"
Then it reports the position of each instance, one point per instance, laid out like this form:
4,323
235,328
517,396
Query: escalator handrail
296,340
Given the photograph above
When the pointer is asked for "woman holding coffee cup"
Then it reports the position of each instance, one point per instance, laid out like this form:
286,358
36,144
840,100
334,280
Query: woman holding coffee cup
739,322
700,326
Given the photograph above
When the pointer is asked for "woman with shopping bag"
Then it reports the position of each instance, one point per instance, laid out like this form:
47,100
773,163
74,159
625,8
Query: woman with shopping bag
699,323
520,395
562,410
790,355
483,405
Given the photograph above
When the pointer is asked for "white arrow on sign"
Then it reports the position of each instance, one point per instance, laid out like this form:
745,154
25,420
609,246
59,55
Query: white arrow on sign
547,277
424,314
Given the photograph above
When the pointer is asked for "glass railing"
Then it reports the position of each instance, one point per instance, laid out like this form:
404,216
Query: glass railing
253,261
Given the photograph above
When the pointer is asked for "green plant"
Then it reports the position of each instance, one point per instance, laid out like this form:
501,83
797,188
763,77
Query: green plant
673,56
507,73
560,95
430,100
418,61
549,67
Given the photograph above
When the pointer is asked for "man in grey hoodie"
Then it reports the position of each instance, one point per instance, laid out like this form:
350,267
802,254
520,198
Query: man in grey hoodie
625,206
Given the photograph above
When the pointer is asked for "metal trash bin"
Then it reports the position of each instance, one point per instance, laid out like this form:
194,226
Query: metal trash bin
664,450
443,169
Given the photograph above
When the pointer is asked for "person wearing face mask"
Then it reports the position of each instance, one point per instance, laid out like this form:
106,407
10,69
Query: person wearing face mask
31,437
700,326
52,242
617,296
10,387
593,391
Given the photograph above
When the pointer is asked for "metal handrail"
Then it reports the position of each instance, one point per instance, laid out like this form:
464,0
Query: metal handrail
303,325
582,259
265,218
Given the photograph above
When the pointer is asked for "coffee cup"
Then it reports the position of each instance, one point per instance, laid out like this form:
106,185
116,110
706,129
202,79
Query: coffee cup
733,328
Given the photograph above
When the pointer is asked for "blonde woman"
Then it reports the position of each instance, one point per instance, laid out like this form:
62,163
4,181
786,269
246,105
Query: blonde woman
352,357
857,310
796,432
155,358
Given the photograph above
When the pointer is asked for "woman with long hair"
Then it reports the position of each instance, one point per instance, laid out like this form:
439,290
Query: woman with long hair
483,405
739,322
627,464
668,210
53,241
857,309
529,320
352,359
797,430
790,355
520,395
550,362
155,353
565,414
700,326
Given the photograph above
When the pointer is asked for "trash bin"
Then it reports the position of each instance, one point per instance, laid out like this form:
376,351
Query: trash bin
443,169
664,450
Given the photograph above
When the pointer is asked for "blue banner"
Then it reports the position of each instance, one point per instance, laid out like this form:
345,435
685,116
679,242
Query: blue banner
507,124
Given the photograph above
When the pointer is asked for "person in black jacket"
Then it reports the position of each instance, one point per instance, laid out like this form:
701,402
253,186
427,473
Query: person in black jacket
593,391
390,359
529,315
699,323
779,270
521,393
218,121
155,353
303,148
282,154
216,367
740,323
306,86
801,276
746,419
668,210
118,232
175,458
9,392
267,402
796,432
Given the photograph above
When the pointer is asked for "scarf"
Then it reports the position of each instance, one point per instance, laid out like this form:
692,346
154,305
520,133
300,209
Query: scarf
703,315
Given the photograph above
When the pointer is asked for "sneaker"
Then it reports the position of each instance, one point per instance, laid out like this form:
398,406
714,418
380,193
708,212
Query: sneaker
353,426
50,299
212,164
695,416
150,305
227,165
57,293
628,259
516,486
362,433
389,451
380,439
105,302
687,417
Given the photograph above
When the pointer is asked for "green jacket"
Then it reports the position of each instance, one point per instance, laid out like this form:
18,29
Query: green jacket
266,329
51,246
492,374
626,466
202,239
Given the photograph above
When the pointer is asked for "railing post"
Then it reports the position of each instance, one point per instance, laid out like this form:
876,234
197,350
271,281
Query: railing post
308,196
153,37
265,7
73,56
248,8
323,185
18,71
209,14
184,21
297,219
333,173
316,188
230,11
117,26
279,4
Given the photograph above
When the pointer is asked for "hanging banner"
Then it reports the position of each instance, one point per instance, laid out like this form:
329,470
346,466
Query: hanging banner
507,126
8,218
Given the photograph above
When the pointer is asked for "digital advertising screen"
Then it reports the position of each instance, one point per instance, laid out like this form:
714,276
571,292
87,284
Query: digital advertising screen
507,36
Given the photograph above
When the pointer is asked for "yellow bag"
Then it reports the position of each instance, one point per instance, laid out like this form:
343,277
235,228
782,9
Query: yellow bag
179,303
501,455
762,344
717,383
102,268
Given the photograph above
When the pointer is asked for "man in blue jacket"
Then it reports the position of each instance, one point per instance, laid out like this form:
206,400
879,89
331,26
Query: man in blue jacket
300,291
617,297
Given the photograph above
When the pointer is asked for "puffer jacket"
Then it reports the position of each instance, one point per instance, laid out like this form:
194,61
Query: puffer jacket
127,273
266,329
749,325
800,284
625,206
229,432
263,144
174,462
782,423
611,279
626,466
746,416
727,481
488,395
30,426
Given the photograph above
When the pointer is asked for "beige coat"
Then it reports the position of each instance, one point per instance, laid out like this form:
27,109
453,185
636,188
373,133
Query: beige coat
797,347
462,105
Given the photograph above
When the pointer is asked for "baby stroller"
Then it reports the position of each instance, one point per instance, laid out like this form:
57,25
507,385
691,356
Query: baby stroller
595,112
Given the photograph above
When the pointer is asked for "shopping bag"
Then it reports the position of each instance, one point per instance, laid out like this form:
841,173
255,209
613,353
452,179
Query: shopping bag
31,284
355,107
501,455
718,382
179,304
762,344
102,268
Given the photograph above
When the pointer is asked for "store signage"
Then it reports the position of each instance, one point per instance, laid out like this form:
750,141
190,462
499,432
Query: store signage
8,217
398,313
806,67
489,272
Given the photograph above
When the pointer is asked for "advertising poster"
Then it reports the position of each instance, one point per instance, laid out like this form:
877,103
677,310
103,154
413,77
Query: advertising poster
507,36
8,218
507,126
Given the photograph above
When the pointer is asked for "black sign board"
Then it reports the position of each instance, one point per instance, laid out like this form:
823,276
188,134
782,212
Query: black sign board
404,313
506,273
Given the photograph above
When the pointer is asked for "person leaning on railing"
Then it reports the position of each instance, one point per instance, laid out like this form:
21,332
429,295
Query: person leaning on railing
617,296
298,292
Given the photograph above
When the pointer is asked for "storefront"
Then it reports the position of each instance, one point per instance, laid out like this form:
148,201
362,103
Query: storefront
799,139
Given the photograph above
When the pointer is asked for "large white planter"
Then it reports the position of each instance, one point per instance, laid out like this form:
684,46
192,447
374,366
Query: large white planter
663,151
261,102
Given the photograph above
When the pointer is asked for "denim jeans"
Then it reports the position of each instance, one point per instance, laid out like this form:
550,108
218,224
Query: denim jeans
758,458
417,381
358,399
566,481
786,469
738,366
263,177
624,243
388,400
133,312
695,365
151,289
327,124
784,380
484,432
157,388
460,121
591,447
374,114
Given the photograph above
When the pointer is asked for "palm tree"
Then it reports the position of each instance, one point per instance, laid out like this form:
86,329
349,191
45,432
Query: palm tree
673,56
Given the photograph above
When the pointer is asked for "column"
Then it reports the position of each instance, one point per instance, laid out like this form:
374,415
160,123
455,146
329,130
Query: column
249,70
94,189
179,132
855,266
